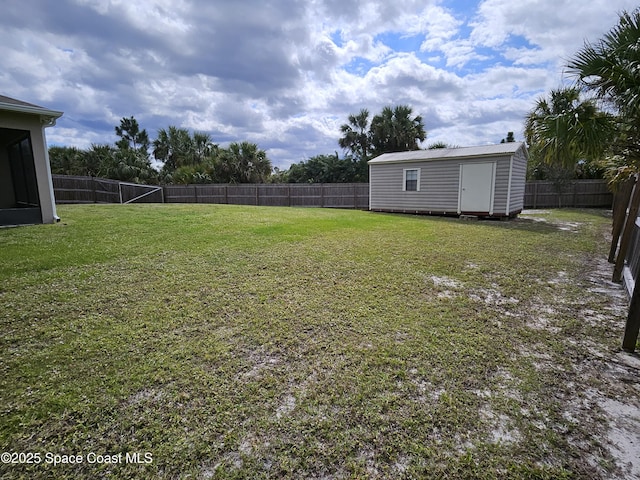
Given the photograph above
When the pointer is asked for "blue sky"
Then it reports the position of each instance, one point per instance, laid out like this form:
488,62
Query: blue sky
286,74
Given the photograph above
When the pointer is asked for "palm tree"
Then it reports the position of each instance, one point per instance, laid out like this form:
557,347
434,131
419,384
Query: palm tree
609,68
355,135
242,163
168,147
67,161
120,164
203,147
564,129
393,130
176,147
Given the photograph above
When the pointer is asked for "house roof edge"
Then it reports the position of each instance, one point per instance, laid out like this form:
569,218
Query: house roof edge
13,105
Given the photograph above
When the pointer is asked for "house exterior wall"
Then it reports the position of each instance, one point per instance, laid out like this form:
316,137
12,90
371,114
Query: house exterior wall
31,123
440,185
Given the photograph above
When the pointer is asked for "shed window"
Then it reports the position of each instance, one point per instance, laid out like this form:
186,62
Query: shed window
411,180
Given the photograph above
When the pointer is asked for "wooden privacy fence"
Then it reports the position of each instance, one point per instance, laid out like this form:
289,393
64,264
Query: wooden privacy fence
578,193
71,189
331,195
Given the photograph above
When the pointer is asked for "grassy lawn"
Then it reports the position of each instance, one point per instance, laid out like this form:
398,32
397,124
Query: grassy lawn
246,342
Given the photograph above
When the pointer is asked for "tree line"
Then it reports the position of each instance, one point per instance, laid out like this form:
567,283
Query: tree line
185,157
189,158
192,158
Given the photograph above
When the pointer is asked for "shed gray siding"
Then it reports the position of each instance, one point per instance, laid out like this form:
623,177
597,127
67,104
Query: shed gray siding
501,189
439,182
518,182
438,187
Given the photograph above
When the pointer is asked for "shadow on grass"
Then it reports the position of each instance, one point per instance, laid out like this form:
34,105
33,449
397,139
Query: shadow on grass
546,221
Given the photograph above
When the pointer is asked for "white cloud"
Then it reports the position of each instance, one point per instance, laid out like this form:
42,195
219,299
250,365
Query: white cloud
555,29
79,138
286,73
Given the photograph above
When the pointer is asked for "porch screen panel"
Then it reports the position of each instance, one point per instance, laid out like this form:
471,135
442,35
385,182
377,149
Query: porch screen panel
23,173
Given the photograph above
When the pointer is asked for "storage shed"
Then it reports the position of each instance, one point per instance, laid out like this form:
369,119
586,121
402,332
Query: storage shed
26,189
486,181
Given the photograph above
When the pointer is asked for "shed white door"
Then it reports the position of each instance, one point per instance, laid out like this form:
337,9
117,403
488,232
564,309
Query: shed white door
476,187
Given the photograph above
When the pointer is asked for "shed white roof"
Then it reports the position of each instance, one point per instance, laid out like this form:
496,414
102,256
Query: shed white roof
499,149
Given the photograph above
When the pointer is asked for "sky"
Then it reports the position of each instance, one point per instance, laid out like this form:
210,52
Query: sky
285,74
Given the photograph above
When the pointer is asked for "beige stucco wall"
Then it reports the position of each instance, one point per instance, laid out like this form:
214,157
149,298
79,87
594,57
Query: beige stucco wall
32,123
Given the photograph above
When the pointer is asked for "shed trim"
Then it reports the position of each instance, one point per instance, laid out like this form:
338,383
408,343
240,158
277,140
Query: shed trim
508,208
369,187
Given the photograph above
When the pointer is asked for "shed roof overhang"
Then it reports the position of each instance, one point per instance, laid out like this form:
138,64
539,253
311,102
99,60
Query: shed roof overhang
462,153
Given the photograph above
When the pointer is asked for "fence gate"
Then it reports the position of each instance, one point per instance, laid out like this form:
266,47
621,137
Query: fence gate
133,192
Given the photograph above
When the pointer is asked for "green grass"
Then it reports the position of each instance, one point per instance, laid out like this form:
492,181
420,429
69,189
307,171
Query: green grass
244,342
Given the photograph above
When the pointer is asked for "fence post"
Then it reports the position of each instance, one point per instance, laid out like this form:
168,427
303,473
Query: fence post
633,322
626,234
93,189
620,204
322,195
